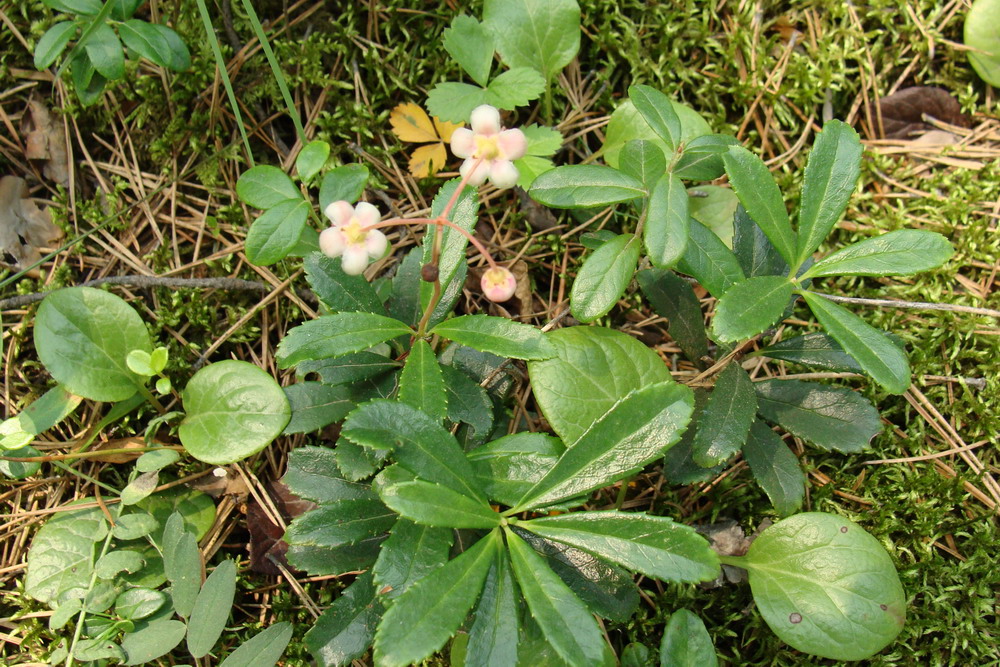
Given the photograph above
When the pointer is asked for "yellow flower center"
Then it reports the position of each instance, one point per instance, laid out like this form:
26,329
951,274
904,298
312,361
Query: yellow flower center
487,148
353,231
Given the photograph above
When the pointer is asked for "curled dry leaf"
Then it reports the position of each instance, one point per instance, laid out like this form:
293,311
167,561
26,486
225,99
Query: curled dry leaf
46,142
24,227
266,543
726,538
903,112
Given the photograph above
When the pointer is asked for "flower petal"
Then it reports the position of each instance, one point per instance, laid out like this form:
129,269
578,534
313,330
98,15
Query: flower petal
485,120
332,241
366,214
339,212
376,244
503,174
513,143
463,143
355,259
479,175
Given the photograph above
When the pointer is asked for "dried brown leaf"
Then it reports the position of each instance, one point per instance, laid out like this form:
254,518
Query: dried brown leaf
24,227
266,546
46,141
903,112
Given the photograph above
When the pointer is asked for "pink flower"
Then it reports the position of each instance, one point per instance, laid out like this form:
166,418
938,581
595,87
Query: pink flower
348,238
490,147
498,284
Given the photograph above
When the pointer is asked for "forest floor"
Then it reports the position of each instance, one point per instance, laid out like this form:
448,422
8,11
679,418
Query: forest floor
151,192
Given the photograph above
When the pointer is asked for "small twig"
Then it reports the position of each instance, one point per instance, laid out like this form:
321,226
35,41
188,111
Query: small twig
233,284
917,305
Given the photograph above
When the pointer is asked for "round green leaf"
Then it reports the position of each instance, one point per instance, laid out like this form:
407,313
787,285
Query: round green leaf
140,363
265,186
311,159
234,410
982,33
83,336
826,587
136,603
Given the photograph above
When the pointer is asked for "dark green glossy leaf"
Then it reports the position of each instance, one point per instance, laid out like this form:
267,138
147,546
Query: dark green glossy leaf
756,254
347,369
509,466
146,41
900,253
345,631
211,609
631,434
421,383
340,523
723,426
337,335
435,505
315,405
658,112
751,307
880,358
422,619
761,198
264,649
322,561
672,297
265,186
775,468
606,589
652,545
313,474
452,261
566,623
594,369
345,183
709,261
643,161
337,290
83,335
830,417
234,410
702,157
686,642
419,443
831,175
467,402
814,349
603,278
585,186
411,552
667,222
494,635
497,335
826,587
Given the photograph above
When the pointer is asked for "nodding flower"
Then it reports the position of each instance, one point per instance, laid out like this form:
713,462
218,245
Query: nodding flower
488,149
498,284
351,238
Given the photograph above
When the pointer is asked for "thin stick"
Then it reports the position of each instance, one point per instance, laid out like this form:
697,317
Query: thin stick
917,305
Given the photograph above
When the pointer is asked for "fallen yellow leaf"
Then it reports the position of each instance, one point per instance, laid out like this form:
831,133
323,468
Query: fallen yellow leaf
426,160
411,123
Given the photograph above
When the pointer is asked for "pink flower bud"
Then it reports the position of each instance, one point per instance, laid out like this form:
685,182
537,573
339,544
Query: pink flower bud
498,284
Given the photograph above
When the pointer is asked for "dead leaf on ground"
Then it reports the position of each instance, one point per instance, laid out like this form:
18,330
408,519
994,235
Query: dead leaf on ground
222,482
903,112
412,124
24,228
727,538
538,216
45,141
266,546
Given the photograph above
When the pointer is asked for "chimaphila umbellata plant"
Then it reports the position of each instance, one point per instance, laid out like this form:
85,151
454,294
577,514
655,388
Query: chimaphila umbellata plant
463,523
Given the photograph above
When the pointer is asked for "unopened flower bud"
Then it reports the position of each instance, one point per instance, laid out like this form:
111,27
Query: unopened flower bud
429,273
498,284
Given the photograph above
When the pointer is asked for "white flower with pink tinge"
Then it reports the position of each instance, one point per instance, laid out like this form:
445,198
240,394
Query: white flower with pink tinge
498,284
348,238
490,147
